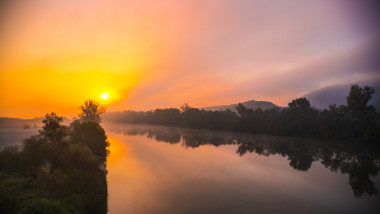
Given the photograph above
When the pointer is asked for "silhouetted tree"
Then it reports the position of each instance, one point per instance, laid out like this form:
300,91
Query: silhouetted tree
243,111
357,100
185,107
56,171
299,104
334,122
358,120
91,111
52,128
90,134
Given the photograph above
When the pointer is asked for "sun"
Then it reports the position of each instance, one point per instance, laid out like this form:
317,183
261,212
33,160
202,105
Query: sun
104,96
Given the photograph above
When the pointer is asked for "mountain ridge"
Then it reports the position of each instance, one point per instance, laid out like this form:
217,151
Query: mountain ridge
249,104
337,94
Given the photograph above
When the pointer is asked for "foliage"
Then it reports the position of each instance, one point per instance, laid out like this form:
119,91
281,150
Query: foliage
90,134
357,100
45,206
58,171
52,128
299,104
357,121
91,111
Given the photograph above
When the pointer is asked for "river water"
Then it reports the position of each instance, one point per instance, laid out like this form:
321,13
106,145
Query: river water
154,169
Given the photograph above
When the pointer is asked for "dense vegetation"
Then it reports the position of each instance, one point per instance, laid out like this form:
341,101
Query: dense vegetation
355,121
60,170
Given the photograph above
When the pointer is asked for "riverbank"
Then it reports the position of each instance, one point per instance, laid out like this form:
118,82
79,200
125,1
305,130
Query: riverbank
60,170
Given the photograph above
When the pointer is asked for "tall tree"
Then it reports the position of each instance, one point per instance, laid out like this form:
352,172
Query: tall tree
91,111
365,120
52,128
357,100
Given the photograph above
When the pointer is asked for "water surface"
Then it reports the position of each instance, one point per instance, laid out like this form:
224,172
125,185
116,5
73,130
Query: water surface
155,169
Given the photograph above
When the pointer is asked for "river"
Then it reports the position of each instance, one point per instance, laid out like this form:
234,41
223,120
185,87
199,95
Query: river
154,169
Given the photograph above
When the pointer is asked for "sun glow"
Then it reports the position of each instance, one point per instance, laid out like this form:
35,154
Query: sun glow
104,96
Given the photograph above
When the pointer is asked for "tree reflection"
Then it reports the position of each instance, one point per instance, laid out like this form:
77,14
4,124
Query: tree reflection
360,162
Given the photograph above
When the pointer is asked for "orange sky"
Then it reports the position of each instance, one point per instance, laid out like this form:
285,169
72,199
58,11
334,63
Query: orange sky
149,54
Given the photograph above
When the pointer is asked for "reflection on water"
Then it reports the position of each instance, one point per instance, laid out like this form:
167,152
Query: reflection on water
200,171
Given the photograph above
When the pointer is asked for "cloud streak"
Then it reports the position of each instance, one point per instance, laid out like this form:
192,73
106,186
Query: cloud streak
201,52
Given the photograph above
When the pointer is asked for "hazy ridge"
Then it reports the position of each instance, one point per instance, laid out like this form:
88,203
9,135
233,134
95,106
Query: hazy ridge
249,104
337,94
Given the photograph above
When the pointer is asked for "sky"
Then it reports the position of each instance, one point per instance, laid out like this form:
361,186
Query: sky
156,54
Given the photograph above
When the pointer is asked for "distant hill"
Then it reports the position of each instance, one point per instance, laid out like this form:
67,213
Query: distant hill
337,94
9,122
249,104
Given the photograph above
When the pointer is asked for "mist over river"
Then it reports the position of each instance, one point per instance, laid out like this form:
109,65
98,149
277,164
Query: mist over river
158,169
153,169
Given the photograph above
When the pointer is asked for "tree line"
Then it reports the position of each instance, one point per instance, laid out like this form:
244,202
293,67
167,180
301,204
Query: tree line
60,170
356,121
